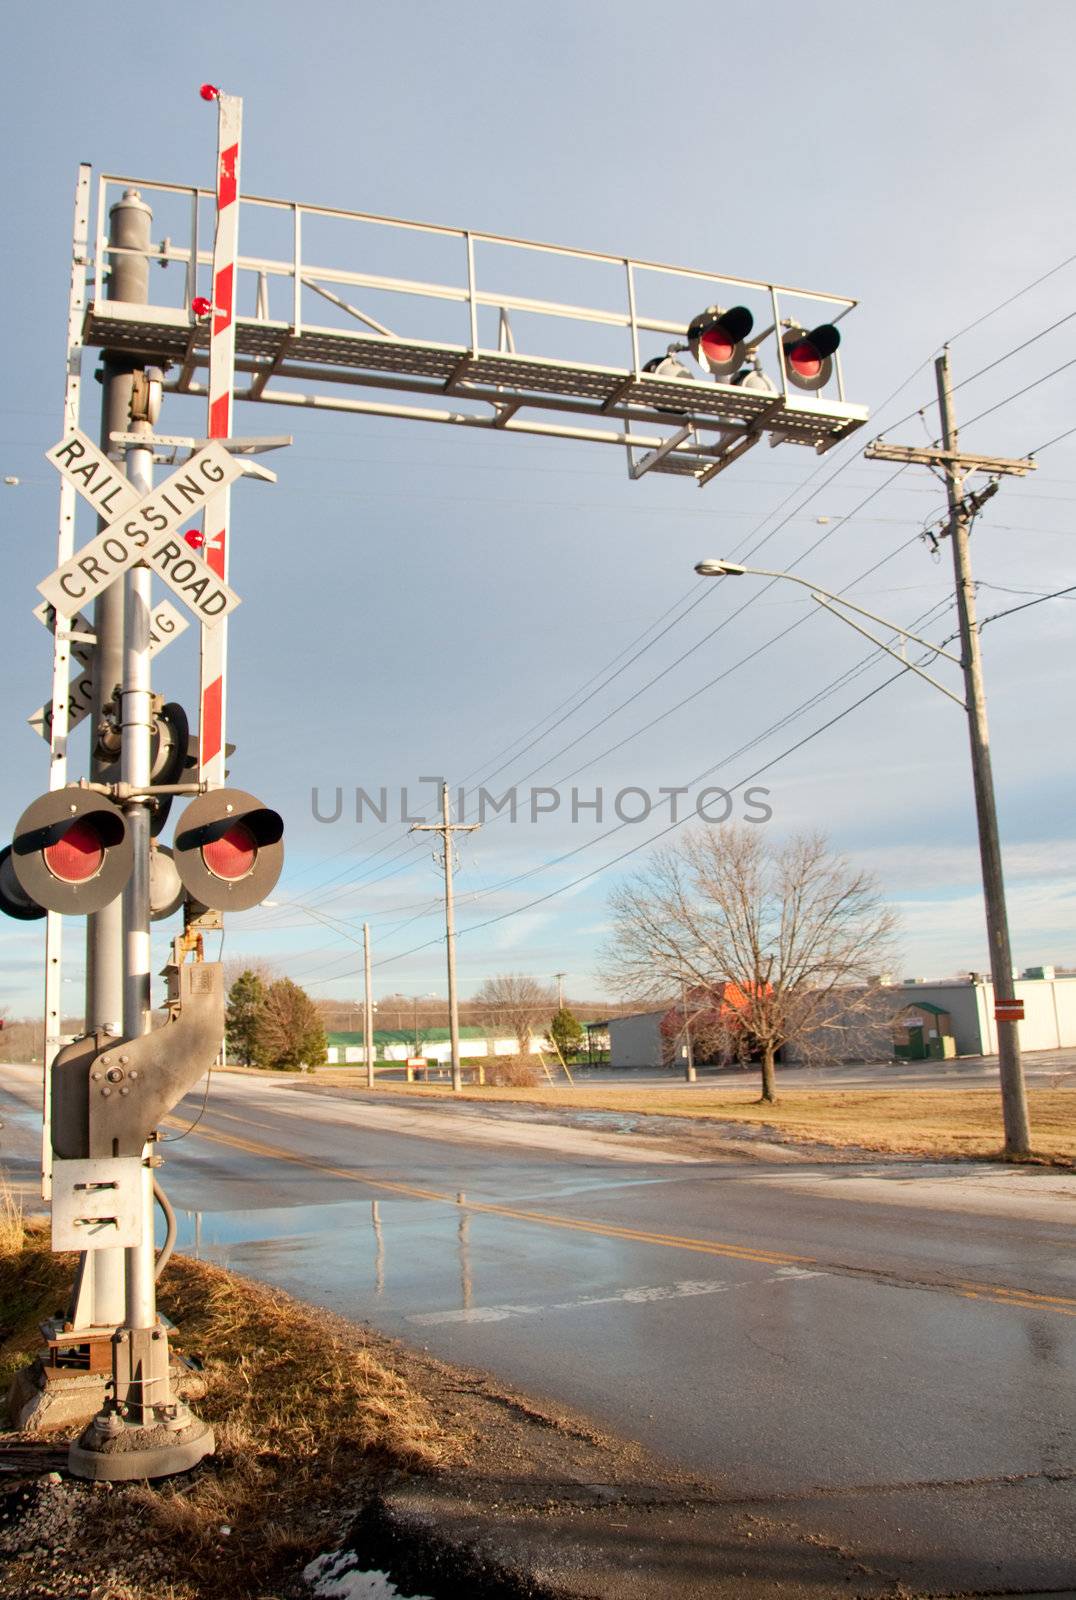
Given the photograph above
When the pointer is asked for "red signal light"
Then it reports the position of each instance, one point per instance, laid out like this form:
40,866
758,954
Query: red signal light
195,539
808,363
209,91
804,359
233,855
716,338
201,306
77,855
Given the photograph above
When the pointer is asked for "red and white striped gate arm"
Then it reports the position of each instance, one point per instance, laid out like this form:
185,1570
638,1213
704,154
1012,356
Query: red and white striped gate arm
216,526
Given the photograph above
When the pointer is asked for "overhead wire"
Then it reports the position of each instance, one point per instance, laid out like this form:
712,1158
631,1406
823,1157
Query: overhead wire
818,697
772,533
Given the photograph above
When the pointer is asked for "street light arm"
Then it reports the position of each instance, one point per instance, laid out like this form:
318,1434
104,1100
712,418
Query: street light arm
909,666
822,595
830,601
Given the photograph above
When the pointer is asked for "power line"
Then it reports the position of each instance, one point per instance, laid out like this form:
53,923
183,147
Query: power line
1027,604
662,833
1034,284
1056,440
848,462
1009,398
821,695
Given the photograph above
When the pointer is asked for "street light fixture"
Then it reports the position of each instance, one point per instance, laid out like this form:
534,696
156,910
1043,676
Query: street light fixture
1010,1066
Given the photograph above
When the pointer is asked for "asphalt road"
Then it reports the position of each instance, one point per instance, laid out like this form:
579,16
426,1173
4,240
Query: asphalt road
884,1350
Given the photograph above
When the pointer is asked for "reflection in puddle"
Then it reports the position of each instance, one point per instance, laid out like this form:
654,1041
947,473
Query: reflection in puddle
379,1251
340,1254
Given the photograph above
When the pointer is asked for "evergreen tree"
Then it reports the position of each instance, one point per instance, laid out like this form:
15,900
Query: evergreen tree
289,1033
566,1032
246,998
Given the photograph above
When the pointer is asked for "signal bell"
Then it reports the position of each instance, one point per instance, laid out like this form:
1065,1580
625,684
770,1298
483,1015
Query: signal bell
228,851
71,852
716,338
808,356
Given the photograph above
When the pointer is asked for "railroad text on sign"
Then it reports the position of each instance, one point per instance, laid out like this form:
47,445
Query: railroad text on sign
97,479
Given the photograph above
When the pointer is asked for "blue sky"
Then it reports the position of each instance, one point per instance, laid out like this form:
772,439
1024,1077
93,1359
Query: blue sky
417,598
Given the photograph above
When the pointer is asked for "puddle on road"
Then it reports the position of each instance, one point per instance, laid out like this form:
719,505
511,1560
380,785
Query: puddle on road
386,1259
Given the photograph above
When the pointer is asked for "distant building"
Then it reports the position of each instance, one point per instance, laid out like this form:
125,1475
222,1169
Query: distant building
396,1044
960,1009
1049,1009
634,1041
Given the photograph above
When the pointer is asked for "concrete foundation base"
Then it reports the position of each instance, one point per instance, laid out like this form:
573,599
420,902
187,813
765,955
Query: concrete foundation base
48,1401
134,1453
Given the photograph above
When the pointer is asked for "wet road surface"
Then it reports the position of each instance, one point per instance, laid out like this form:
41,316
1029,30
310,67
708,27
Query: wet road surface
885,1350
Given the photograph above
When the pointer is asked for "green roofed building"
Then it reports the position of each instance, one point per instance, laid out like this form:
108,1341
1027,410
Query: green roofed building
396,1044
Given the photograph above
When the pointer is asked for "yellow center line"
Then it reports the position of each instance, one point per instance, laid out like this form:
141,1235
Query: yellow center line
1025,1299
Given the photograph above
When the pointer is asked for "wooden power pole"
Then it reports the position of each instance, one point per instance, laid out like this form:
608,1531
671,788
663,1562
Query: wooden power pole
956,464
446,828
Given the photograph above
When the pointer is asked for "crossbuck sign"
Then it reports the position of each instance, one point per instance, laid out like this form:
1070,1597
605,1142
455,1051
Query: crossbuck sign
165,624
141,528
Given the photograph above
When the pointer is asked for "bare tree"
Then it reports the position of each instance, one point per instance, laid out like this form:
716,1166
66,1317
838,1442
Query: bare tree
787,939
518,1003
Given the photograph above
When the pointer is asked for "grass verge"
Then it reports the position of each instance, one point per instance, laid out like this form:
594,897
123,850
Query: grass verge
928,1122
307,1410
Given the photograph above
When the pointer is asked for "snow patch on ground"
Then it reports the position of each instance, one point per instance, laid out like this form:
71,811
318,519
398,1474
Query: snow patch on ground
337,1576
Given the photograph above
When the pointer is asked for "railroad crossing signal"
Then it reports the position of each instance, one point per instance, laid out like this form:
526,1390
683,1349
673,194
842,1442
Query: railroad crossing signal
716,339
14,901
228,851
72,851
809,356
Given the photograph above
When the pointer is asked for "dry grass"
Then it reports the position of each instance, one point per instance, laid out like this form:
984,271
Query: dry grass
305,1406
12,1226
932,1122
302,1405
513,1072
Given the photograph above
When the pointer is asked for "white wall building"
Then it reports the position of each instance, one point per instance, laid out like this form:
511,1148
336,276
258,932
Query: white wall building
1049,1019
1049,1010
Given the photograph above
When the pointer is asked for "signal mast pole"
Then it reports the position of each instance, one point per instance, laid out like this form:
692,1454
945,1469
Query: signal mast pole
446,828
955,466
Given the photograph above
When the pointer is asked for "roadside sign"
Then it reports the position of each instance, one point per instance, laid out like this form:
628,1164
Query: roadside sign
166,624
79,705
82,647
147,533
97,479
1008,1011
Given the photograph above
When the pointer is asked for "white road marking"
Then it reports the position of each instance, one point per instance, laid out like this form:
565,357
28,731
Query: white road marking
649,1294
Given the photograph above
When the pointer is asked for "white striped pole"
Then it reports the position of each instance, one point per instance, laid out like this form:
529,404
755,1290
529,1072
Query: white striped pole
216,526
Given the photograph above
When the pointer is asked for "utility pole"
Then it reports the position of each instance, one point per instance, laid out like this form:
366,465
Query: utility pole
367,1008
560,977
955,466
446,828
689,1060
